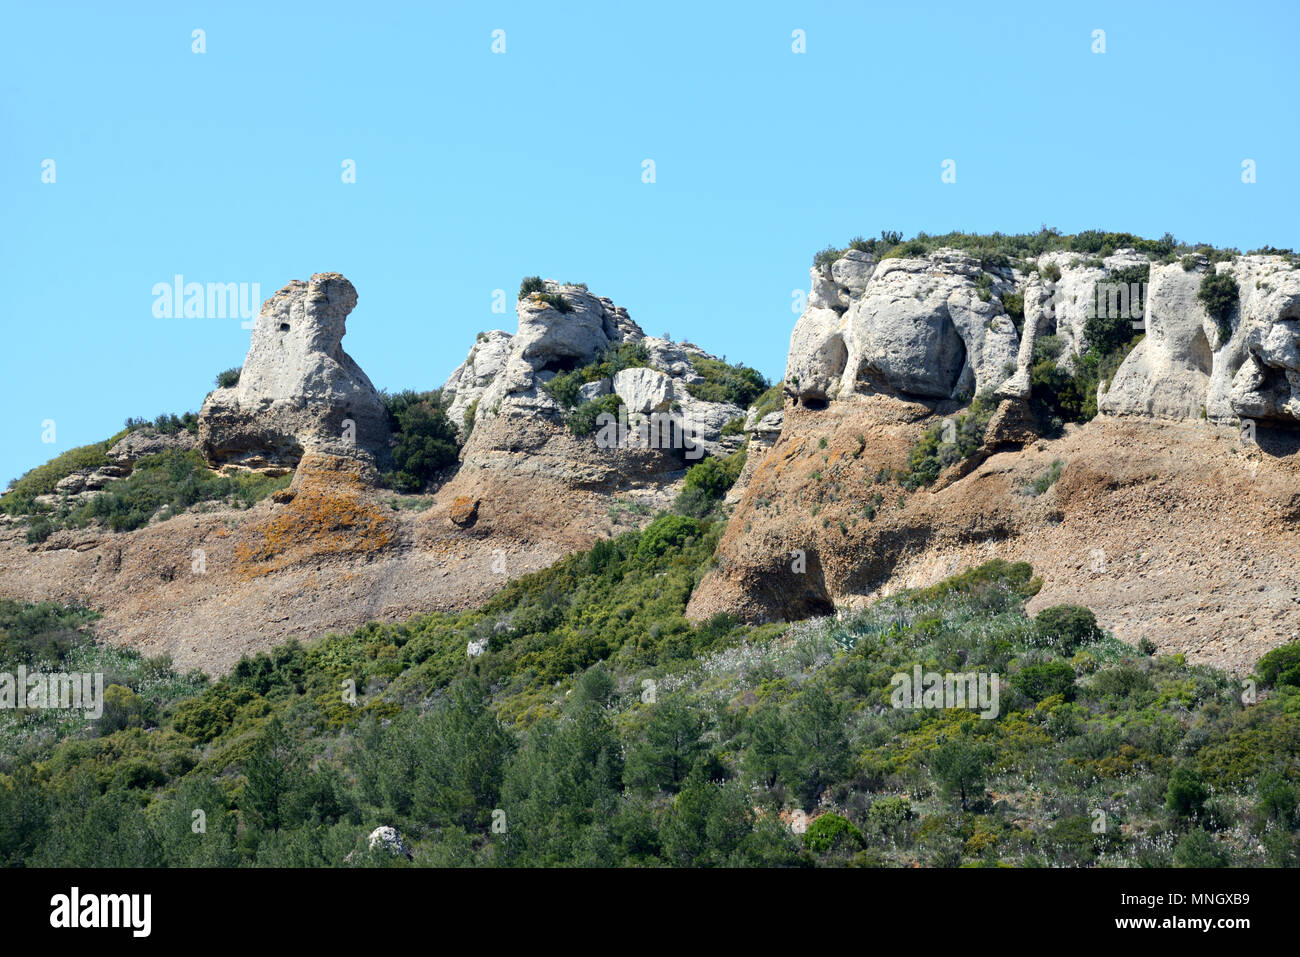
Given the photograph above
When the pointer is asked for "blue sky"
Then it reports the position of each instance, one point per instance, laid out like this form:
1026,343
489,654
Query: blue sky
474,169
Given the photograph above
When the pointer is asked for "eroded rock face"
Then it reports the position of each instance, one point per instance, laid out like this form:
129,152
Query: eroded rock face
916,327
872,366
515,413
1186,368
471,378
1257,373
298,390
1168,372
521,457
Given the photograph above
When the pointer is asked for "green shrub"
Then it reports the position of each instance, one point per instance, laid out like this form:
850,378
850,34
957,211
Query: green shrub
707,483
1199,849
773,400
530,285
1219,292
1043,482
888,815
1281,666
738,384
665,533
1108,333
1051,272
229,378
1037,682
1065,628
1014,304
564,388
426,439
1186,794
582,420
556,301
825,257
832,832
932,454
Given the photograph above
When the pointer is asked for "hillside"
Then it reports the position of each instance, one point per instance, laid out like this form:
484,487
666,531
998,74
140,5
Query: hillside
1115,410
577,718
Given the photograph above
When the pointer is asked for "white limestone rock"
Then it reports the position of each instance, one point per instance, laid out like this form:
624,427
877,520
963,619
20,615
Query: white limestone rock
466,385
298,390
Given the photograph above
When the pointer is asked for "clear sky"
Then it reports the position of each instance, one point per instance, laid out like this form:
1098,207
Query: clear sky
474,169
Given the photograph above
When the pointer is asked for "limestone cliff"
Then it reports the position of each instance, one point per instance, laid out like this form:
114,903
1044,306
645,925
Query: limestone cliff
1165,520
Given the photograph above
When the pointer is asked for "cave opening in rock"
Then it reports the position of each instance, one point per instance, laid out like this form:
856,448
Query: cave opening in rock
560,365
284,327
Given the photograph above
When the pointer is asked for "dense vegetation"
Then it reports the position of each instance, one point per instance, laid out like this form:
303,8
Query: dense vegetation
161,486
564,387
166,423
18,499
737,384
707,484
599,727
426,441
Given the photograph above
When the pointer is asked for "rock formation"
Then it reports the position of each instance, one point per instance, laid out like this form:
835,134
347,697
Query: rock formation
1187,368
520,453
298,390
905,326
466,385
1166,524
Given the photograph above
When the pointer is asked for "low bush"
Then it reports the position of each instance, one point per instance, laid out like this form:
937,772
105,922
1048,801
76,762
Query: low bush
1065,628
948,442
737,384
1281,666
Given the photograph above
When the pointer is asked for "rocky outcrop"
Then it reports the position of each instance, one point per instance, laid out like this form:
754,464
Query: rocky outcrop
762,431
471,378
1168,373
515,412
529,474
1187,367
298,390
931,327
1156,512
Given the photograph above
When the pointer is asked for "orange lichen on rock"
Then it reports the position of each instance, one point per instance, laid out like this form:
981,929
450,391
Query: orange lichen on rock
330,514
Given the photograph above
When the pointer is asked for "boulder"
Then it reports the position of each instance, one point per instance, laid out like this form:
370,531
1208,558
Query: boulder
389,840
644,389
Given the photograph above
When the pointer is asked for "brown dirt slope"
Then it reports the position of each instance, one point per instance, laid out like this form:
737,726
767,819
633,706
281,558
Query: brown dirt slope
329,554
1176,532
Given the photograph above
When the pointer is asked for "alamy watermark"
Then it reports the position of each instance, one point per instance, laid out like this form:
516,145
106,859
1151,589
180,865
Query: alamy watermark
80,691
656,430
976,690
179,299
